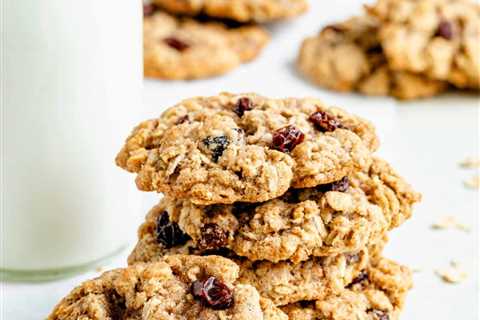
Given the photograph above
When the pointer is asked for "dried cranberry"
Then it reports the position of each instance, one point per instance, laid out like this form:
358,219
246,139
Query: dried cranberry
213,293
379,314
217,145
445,30
169,233
148,10
182,119
287,138
360,278
176,44
352,258
242,105
324,122
213,237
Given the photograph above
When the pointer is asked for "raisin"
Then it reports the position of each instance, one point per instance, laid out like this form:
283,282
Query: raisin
352,258
324,122
243,104
445,30
148,10
287,138
213,237
169,233
213,293
176,44
217,145
360,278
182,119
379,314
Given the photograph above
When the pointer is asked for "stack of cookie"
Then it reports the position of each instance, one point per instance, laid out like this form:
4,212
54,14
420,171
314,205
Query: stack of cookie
272,209
191,39
404,48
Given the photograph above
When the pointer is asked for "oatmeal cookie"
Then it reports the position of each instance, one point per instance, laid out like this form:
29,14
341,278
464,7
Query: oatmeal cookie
176,287
340,217
443,38
238,10
384,187
378,293
303,223
229,148
182,48
348,56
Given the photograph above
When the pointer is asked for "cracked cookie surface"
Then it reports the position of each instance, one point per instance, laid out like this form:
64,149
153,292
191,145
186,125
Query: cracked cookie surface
177,287
282,283
348,56
378,294
330,219
443,38
182,48
238,10
245,147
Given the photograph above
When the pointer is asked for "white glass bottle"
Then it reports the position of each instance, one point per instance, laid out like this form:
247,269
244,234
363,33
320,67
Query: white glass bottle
71,86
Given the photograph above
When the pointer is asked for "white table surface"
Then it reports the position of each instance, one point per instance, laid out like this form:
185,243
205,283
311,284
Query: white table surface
424,140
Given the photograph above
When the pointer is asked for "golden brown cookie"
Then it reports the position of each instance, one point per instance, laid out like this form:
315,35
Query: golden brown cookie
182,48
176,287
239,10
245,147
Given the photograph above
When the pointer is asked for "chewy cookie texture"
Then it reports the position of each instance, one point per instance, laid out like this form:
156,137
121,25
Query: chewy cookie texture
182,48
176,287
331,219
230,148
273,209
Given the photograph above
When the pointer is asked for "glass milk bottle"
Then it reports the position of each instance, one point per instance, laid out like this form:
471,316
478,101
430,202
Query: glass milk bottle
71,87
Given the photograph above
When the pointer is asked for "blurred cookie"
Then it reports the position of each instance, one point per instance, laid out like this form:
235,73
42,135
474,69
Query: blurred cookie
436,38
349,57
182,48
229,148
238,10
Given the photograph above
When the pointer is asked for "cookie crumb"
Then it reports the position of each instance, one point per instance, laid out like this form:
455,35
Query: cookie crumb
453,274
473,182
470,163
99,269
449,222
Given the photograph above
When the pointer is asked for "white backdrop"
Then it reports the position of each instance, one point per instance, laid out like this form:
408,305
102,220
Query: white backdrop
424,140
